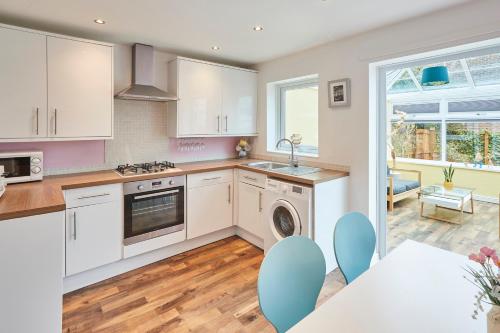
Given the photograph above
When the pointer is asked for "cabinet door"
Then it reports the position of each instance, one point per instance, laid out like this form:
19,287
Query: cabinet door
250,209
200,99
80,88
23,85
93,236
209,208
239,102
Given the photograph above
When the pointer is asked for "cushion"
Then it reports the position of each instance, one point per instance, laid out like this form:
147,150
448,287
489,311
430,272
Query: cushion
401,185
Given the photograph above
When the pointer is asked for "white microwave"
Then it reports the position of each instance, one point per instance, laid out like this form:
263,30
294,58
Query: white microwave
22,166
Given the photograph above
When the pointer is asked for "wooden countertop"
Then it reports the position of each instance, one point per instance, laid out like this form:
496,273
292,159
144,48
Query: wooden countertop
27,199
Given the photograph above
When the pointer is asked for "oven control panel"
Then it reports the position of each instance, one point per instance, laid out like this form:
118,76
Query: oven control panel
153,184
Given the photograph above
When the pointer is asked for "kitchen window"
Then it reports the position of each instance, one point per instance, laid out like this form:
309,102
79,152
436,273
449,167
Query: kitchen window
297,114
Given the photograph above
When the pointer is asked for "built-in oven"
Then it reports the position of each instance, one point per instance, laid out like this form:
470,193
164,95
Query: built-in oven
153,208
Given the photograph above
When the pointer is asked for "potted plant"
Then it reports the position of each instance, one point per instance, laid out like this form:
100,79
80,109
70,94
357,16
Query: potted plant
448,177
243,147
487,279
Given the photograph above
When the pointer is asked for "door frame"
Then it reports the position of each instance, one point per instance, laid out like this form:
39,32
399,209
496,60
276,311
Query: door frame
378,121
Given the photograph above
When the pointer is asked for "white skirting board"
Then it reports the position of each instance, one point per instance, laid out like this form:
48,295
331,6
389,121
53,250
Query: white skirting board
87,278
251,238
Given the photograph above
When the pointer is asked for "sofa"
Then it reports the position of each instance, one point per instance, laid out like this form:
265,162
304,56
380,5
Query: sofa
400,188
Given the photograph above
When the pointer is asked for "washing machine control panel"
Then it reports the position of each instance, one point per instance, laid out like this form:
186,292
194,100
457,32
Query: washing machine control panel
287,188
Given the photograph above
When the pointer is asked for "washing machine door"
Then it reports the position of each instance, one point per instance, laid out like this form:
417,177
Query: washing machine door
284,220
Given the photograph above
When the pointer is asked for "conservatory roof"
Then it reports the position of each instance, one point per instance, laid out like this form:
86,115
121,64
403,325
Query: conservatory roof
480,71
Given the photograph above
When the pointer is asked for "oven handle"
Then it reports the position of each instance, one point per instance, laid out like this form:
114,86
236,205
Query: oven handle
152,195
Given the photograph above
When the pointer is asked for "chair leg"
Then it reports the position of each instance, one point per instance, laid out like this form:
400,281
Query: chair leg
391,205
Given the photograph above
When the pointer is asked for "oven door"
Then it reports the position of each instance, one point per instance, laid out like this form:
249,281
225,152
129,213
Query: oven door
152,214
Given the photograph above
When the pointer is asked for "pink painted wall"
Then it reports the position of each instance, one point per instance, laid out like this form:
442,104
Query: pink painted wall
64,154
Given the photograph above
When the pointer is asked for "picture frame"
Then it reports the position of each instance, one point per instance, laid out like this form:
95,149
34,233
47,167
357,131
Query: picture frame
339,93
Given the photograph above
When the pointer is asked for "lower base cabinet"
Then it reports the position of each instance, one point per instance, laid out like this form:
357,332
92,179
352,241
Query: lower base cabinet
31,285
209,202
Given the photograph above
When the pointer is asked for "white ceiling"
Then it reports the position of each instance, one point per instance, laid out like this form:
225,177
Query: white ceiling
191,27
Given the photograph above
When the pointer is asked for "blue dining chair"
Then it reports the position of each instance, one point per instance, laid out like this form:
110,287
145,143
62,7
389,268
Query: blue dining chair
353,244
290,280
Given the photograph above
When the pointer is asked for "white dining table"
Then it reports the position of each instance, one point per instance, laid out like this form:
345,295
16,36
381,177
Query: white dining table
417,288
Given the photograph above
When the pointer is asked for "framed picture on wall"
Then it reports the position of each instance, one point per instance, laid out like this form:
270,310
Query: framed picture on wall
339,92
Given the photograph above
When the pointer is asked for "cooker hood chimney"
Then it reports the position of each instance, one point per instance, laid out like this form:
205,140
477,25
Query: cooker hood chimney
142,88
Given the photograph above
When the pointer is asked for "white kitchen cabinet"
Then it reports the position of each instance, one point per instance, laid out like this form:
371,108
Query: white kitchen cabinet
239,91
80,88
214,99
251,187
94,231
31,285
23,84
54,87
209,202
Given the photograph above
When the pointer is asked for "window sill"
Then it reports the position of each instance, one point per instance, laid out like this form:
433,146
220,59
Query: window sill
284,152
487,168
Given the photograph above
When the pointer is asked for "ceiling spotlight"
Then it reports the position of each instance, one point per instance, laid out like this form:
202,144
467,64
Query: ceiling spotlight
216,48
100,21
258,28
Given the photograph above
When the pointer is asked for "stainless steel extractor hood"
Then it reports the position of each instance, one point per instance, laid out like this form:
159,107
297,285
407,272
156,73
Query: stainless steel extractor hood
142,88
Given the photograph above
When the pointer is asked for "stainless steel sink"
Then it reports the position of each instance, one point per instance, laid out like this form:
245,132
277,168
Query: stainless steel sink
283,168
267,165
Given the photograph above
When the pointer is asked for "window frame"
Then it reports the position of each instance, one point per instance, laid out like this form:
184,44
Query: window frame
445,118
280,131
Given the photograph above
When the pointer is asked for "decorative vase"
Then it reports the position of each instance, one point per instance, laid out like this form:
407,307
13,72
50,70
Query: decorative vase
493,317
448,185
242,154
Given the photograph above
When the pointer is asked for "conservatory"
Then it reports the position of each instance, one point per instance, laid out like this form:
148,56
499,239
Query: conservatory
433,127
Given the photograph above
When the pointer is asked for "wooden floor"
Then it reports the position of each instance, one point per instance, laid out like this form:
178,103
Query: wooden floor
479,229
209,289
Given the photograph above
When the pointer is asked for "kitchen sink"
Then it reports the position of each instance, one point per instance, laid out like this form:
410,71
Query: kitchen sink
283,168
267,165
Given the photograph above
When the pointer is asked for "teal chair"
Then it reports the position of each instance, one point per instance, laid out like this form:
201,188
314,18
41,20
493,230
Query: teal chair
290,279
354,244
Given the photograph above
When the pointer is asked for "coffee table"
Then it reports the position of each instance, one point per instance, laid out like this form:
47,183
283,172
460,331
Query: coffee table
454,199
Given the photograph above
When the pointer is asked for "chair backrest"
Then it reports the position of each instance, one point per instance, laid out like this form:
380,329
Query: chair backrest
290,280
353,244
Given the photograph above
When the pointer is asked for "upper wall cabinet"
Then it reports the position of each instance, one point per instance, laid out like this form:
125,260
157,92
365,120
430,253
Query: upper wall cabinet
54,87
23,85
214,100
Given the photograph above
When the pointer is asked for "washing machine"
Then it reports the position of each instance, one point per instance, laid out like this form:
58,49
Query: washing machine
287,211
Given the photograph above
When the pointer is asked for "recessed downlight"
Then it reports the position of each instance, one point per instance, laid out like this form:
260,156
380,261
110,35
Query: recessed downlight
215,48
258,28
99,21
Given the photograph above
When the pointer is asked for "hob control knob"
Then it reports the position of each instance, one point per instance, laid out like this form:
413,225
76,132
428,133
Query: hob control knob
140,187
171,182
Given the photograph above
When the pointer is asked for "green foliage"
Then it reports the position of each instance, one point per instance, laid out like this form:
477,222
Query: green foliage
448,173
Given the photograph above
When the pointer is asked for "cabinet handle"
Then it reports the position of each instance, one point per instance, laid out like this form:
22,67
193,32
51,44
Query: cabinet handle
260,201
213,178
218,124
74,225
250,178
229,193
226,122
37,122
55,121
93,196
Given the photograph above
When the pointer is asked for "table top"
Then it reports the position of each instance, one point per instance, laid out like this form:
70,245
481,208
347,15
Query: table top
416,288
440,191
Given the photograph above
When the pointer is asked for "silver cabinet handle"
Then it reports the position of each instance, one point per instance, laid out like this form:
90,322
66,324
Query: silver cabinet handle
37,122
260,201
213,178
226,122
74,225
93,196
229,193
55,121
250,178
218,124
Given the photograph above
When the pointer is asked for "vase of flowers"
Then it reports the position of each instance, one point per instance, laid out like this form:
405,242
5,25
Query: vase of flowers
487,279
448,177
243,147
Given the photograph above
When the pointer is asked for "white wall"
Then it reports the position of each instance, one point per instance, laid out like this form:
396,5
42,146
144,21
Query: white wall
343,132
